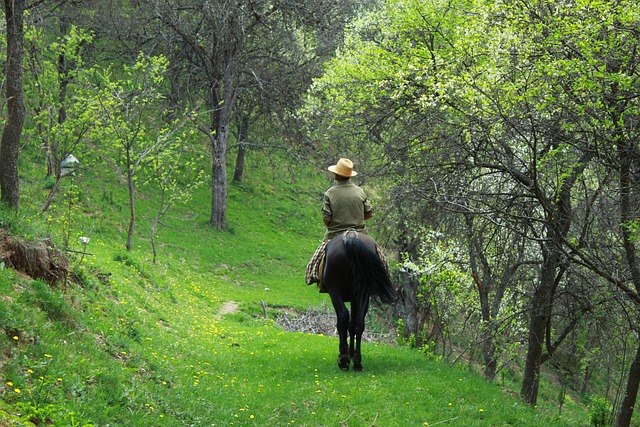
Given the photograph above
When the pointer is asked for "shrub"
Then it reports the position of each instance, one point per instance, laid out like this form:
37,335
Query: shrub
599,412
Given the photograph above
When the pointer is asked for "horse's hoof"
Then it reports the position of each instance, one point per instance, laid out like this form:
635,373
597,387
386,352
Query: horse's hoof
343,363
357,368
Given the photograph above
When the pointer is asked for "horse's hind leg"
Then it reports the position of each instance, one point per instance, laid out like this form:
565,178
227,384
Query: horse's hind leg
357,329
357,355
342,315
352,336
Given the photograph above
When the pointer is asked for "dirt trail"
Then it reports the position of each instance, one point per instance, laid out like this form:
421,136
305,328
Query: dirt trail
228,307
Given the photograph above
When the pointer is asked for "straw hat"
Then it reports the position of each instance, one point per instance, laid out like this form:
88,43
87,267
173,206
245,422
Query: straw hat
343,168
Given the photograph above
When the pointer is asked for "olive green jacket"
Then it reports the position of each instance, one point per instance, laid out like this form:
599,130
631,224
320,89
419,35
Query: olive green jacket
344,207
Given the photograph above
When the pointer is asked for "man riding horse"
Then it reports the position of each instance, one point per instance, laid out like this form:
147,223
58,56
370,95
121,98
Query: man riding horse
345,207
348,264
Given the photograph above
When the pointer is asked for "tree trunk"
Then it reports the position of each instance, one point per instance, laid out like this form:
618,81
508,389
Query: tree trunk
488,344
558,221
488,331
132,210
628,185
219,187
239,171
53,161
409,283
537,329
154,227
9,179
222,114
541,304
132,217
47,202
243,136
625,412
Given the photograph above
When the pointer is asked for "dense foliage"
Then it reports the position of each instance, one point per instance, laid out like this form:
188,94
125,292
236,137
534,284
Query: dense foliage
499,140
510,128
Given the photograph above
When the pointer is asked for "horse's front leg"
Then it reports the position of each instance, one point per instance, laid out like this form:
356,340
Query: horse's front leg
342,315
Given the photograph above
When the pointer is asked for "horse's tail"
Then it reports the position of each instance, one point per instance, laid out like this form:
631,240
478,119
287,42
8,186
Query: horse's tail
369,273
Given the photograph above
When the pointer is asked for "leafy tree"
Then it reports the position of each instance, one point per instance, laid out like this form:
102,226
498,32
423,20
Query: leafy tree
215,37
237,49
53,63
61,123
174,172
128,119
445,293
580,72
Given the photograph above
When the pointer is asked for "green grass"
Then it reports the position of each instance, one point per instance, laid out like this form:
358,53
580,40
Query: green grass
134,343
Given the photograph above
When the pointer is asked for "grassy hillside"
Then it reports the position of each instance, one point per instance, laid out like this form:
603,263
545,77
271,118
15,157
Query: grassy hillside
133,343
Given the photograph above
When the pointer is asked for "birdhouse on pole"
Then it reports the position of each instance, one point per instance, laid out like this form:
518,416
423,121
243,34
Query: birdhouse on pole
68,166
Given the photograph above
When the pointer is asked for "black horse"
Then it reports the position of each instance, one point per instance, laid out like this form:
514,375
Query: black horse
353,272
